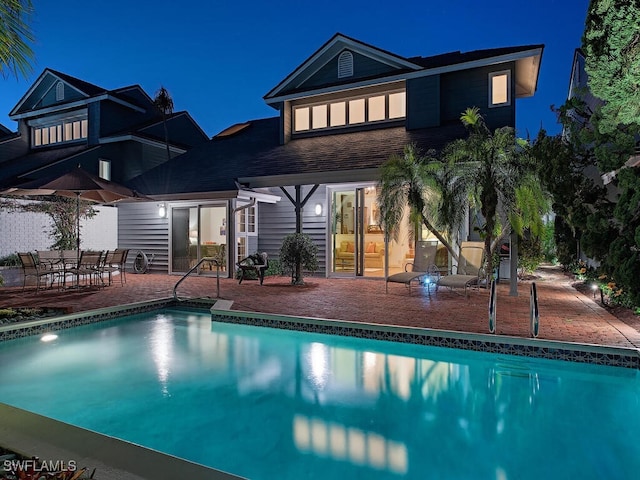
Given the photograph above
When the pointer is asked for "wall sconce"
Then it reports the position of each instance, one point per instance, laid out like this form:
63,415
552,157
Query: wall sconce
162,210
318,209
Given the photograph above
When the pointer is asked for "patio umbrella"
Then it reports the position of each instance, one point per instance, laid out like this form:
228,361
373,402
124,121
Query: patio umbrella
78,184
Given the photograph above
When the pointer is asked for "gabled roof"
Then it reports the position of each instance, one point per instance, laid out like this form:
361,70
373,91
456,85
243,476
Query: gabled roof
398,68
40,97
253,155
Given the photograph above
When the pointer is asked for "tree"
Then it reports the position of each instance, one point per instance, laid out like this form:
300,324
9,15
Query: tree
410,180
164,103
297,252
611,44
15,37
61,211
494,173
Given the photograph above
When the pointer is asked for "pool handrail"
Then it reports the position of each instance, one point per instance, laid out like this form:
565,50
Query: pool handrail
194,268
492,307
534,312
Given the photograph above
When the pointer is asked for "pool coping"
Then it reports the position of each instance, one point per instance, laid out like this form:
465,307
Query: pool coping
503,344
480,342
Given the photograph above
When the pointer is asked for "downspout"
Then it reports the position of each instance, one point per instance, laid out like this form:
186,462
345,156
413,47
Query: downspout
245,206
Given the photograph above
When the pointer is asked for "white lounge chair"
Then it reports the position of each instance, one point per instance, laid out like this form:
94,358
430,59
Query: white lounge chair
423,265
469,269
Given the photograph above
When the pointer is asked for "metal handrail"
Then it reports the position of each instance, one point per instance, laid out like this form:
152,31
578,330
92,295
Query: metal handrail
194,268
492,307
534,312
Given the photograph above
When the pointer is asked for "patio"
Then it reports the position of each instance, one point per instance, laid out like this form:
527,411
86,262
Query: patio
565,314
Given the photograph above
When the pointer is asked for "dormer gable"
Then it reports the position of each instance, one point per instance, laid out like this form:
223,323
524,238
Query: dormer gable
53,89
339,62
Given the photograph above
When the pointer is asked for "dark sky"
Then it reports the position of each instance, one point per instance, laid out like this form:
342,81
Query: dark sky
218,59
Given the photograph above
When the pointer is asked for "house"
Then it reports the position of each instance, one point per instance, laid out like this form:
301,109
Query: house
64,122
314,165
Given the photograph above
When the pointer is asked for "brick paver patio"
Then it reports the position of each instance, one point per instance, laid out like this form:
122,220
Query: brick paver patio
565,314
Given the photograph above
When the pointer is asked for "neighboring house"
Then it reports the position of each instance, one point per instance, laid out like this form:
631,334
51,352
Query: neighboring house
341,114
64,122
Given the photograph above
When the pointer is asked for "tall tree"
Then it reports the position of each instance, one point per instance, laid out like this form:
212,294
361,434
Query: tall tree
15,38
164,102
493,171
611,43
409,180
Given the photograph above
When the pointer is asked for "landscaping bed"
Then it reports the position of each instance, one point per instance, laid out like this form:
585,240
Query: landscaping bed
10,315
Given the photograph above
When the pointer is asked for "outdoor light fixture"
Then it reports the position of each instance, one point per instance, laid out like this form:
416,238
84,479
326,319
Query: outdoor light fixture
162,210
318,209
49,337
594,287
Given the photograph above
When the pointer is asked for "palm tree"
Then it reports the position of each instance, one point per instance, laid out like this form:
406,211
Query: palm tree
164,102
492,170
15,37
410,180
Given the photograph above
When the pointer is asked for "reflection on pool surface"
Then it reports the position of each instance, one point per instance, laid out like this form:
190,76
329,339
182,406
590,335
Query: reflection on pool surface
267,404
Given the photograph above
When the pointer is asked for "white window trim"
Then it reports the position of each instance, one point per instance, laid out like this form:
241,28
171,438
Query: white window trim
59,91
496,74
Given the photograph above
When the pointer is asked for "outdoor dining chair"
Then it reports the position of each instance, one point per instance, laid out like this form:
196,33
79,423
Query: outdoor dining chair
114,261
31,268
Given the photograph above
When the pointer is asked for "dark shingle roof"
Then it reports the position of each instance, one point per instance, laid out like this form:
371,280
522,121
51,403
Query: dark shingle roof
255,151
86,87
454,58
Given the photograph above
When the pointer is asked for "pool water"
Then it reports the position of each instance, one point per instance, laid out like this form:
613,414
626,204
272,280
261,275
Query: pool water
273,404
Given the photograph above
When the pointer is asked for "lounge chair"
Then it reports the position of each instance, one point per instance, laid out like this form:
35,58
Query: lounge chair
469,269
423,265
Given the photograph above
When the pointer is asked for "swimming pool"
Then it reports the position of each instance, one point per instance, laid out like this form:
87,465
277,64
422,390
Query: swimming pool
266,404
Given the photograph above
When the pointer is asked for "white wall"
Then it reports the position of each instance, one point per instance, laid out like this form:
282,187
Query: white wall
27,231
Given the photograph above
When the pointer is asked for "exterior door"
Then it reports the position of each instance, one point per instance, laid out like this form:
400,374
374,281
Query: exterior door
357,243
196,232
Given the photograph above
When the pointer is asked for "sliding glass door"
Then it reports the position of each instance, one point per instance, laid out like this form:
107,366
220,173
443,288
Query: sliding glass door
357,242
196,232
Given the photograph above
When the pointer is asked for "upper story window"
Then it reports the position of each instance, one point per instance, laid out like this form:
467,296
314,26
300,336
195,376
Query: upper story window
500,88
60,130
354,111
345,64
59,92
104,169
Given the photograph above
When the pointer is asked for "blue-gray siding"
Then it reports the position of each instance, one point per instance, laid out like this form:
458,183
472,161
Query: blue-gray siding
140,228
423,102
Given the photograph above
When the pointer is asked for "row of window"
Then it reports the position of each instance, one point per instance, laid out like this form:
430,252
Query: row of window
62,132
378,108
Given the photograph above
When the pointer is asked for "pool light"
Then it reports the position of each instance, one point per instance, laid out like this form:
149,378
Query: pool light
49,337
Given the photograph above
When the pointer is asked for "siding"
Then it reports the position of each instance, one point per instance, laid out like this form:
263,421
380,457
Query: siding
278,220
423,102
363,67
140,228
468,88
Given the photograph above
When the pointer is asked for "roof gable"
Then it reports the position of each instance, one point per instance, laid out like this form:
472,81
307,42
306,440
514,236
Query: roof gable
42,93
321,68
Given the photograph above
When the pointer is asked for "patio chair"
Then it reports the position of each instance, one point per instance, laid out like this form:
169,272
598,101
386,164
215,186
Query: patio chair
50,259
31,268
423,266
469,272
257,264
114,261
88,266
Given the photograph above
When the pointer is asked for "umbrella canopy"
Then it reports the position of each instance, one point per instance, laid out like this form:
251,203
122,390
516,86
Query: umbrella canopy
78,184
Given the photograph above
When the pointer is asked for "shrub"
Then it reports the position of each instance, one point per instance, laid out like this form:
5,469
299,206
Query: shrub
298,252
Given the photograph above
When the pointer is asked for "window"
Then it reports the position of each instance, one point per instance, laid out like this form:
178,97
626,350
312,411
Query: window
66,130
499,88
345,64
59,92
338,113
104,169
355,111
246,220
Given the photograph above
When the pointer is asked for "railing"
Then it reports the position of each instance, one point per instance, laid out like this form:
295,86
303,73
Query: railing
492,307
534,313
193,269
